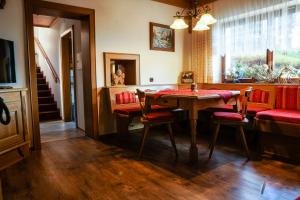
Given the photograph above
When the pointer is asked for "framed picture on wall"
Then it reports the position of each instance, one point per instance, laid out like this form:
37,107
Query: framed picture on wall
187,77
162,37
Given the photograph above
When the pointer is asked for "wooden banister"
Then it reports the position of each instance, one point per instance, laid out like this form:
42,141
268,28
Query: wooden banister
54,74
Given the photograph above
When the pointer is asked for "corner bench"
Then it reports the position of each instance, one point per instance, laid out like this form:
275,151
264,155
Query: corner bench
125,105
281,126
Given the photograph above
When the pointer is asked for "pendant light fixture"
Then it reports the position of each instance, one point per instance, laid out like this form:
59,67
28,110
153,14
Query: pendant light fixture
201,13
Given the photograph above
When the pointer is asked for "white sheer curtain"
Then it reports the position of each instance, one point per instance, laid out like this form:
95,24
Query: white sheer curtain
247,28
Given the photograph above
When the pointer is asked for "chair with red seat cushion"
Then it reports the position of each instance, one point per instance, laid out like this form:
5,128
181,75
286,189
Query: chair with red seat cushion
236,119
150,119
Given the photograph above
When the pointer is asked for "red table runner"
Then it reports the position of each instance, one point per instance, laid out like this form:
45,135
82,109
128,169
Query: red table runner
224,94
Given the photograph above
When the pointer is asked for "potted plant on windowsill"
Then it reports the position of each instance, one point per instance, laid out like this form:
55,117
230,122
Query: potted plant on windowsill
240,74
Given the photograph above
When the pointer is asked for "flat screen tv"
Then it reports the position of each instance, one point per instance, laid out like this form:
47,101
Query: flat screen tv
7,62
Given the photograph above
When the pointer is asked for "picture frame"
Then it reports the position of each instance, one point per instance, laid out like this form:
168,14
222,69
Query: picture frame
162,37
187,77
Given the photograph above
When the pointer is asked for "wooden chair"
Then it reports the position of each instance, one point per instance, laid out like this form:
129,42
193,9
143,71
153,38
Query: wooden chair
236,119
150,119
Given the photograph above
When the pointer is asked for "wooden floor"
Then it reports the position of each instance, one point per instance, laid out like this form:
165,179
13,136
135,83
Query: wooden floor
58,130
82,168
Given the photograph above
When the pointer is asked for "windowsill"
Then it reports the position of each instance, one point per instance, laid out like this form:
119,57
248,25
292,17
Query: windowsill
261,83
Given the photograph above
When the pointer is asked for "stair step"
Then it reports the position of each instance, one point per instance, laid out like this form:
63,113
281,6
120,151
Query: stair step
43,86
41,81
50,115
44,93
47,107
46,100
39,75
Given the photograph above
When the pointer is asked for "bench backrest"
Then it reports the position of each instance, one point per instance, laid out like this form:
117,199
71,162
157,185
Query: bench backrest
261,96
122,96
288,97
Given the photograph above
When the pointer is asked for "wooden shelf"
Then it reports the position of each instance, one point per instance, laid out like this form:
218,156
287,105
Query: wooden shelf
128,63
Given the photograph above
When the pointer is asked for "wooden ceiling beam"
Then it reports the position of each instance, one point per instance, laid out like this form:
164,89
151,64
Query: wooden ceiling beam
183,3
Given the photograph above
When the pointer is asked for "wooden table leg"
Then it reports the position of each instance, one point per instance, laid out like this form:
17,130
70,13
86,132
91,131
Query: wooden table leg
193,124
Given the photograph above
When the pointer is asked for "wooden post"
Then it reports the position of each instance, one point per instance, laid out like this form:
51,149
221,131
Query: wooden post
270,61
223,66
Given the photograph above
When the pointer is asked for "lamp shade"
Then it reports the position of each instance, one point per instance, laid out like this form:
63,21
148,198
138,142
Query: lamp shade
200,26
179,23
207,19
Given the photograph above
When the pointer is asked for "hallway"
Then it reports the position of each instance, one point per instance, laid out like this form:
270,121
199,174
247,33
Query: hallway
59,130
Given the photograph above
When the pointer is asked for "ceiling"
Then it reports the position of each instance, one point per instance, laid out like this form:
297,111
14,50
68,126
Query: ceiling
183,3
44,21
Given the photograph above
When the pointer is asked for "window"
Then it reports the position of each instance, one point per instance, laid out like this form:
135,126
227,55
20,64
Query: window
245,38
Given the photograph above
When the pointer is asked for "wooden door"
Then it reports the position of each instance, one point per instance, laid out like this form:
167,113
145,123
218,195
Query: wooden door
66,82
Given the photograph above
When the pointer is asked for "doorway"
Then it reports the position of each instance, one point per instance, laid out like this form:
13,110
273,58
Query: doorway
88,56
58,46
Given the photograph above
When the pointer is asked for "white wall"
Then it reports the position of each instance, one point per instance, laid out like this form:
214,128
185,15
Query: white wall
12,28
123,26
50,40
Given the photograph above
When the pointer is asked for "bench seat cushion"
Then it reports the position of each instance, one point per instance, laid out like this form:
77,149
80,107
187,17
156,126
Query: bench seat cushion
157,116
135,109
251,110
280,115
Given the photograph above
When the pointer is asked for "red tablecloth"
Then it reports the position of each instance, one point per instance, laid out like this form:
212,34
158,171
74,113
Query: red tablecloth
224,94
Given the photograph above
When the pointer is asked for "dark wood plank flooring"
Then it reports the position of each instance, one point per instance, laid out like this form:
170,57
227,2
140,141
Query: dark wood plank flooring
82,168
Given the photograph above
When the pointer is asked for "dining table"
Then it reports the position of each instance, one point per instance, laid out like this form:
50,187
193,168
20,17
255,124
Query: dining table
193,101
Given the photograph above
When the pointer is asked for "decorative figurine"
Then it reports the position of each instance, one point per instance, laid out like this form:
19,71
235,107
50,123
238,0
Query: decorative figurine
118,77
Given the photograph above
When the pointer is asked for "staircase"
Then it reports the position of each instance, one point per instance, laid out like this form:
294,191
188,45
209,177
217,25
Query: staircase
48,110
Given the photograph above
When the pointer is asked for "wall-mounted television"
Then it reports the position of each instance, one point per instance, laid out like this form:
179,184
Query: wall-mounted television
7,62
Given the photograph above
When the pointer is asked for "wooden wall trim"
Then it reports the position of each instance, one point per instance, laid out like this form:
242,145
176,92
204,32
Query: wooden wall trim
178,3
31,72
183,3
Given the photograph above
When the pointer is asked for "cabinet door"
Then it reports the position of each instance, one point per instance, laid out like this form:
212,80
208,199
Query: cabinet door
12,134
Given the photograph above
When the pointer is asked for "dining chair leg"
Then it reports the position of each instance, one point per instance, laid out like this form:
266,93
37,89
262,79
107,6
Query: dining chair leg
146,130
172,139
244,141
215,136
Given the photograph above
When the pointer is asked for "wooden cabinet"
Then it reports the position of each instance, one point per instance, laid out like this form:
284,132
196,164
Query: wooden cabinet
14,136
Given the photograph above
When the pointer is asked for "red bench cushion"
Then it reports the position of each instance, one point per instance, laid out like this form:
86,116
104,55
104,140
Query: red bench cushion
228,116
135,109
289,116
288,97
129,109
251,110
156,116
126,98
